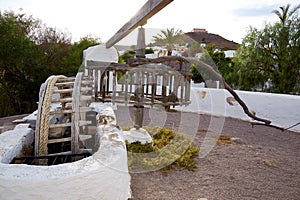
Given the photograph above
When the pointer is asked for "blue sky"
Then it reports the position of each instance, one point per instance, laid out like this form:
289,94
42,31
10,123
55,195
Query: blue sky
229,18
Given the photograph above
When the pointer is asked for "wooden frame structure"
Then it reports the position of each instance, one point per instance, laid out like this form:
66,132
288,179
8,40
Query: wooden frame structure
161,81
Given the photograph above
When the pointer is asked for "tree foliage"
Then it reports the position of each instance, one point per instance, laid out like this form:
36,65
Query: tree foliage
29,53
73,59
217,59
271,54
20,64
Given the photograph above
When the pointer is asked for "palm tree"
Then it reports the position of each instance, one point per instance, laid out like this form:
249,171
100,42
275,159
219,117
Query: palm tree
286,14
169,38
287,50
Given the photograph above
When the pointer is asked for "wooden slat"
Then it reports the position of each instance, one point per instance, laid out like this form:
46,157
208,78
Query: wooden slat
67,79
61,112
64,84
59,125
63,91
68,106
50,141
85,137
60,153
84,123
86,89
87,82
81,109
149,9
85,150
63,100
85,98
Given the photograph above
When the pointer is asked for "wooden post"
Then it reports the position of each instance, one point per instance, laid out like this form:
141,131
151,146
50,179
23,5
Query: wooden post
147,84
76,114
154,85
107,82
96,82
182,89
131,82
176,80
138,112
141,46
188,88
126,89
114,87
164,86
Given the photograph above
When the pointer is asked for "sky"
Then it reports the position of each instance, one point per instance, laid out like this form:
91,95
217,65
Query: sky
103,18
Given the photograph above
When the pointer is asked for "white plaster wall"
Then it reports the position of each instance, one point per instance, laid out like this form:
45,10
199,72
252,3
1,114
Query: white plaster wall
12,142
282,110
104,175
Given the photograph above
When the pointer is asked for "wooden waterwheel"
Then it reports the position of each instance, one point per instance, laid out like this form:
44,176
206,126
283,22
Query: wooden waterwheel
61,131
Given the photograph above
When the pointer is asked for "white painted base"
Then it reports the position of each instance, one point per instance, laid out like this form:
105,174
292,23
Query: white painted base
104,175
137,135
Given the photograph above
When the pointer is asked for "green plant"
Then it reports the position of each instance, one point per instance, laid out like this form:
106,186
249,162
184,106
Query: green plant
271,55
170,150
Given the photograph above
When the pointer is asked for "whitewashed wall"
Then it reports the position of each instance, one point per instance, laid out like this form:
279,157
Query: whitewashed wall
282,110
104,175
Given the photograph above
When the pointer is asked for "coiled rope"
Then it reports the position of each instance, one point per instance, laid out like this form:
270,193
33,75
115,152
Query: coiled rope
45,115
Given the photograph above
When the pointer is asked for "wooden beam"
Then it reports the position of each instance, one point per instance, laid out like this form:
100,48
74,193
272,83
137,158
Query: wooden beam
150,8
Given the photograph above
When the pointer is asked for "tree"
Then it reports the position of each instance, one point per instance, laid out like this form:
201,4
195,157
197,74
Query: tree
127,55
271,54
56,46
169,38
29,53
73,60
197,75
21,66
218,61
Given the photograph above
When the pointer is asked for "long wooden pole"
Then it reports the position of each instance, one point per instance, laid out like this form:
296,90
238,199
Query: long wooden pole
150,8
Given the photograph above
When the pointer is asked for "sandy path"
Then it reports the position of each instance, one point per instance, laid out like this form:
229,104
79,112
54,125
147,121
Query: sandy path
265,166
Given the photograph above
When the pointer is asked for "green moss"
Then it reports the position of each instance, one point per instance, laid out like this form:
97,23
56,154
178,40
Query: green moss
169,150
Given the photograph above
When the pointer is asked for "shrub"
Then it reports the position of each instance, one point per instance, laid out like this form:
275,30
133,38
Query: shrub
170,150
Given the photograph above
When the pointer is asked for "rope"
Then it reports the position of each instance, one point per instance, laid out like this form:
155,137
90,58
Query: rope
45,113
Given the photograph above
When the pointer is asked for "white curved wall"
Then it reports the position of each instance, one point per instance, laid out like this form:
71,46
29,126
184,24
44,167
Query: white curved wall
101,176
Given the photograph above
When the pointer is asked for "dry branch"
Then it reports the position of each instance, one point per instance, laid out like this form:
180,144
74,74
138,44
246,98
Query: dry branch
214,74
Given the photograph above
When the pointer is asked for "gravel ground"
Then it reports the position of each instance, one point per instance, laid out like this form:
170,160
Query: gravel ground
264,165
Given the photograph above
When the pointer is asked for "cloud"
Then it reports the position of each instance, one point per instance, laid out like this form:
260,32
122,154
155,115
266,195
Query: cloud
256,11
